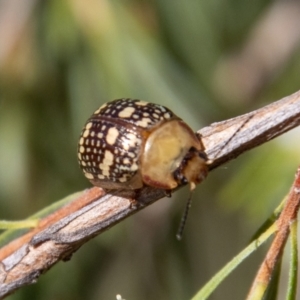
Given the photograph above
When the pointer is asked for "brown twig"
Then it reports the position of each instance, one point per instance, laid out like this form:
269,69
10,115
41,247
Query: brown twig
287,216
60,234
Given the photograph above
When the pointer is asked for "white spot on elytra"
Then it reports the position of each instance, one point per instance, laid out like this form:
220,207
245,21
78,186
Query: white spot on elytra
86,133
98,110
105,172
107,162
134,167
126,112
108,158
141,103
89,175
103,167
130,141
81,149
123,179
88,125
131,154
100,135
112,135
144,122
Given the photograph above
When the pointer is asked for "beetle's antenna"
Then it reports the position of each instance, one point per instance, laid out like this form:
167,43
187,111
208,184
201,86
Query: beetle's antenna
185,216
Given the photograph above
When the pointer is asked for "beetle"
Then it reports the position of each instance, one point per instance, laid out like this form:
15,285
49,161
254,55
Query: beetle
129,143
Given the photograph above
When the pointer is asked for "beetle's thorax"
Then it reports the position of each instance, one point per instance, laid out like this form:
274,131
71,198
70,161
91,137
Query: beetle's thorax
168,160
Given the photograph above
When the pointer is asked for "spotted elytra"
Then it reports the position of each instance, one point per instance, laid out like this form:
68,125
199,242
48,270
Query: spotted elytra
129,143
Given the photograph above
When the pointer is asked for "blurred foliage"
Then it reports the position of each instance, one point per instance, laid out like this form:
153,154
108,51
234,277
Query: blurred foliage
61,59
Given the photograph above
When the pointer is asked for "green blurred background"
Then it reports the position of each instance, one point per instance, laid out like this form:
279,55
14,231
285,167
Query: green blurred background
207,61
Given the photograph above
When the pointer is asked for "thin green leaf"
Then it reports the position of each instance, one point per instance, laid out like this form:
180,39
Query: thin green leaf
209,287
15,231
18,224
273,217
293,274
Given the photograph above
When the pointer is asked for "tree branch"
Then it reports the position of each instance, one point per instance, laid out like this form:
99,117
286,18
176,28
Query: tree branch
60,234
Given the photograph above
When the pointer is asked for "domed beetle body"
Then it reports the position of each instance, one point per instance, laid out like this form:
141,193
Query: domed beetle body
129,143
